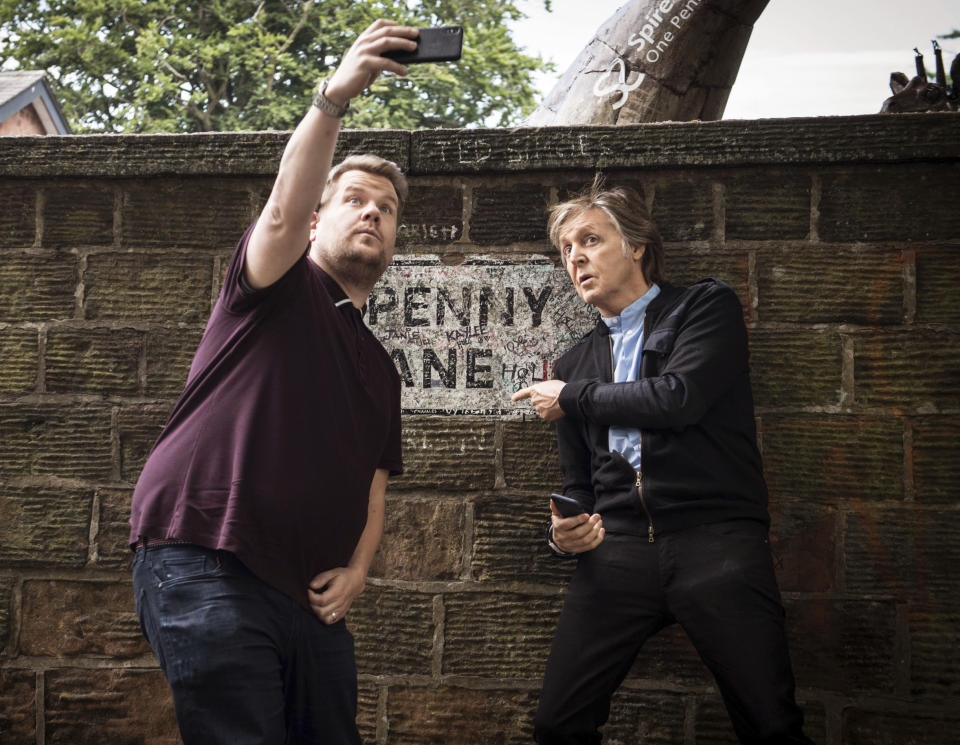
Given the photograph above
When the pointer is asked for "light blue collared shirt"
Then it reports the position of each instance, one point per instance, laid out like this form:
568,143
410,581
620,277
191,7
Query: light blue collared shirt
626,331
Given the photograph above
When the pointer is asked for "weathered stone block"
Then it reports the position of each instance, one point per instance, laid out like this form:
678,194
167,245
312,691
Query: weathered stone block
138,430
670,656
867,203
713,723
684,267
938,285
393,631
422,540
37,288
900,726
803,543
683,208
498,635
460,716
795,368
448,453
18,220
18,708
936,468
530,459
19,357
6,597
918,368
843,646
768,204
44,525
113,536
904,554
503,215
67,619
55,440
510,541
644,717
368,697
852,285
92,360
78,213
204,213
171,287
432,216
169,354
831,458
934,654
123,707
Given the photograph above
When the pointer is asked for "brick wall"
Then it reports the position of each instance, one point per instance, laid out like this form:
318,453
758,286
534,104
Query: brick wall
842,238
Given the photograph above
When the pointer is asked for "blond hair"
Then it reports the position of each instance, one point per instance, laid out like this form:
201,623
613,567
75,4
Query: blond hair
368,163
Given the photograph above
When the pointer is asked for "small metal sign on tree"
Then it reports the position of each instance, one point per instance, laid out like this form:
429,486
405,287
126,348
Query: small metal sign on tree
654,61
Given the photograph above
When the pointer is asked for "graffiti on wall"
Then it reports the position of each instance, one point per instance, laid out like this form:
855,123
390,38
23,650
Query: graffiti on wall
464,338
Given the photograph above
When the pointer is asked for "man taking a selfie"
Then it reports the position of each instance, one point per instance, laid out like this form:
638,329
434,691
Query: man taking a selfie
259,510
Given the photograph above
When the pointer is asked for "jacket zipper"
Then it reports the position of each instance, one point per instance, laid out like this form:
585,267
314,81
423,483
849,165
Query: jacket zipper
645,510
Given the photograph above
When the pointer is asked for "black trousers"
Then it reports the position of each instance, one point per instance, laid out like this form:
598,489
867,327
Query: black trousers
717,582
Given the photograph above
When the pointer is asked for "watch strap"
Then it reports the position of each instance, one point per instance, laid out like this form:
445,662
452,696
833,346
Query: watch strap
327,106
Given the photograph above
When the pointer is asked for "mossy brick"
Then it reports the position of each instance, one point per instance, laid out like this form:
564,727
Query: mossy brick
803,539
120,706
847,646
449,715
80,619
502,635
201,213
713,722
906,554
530,459
446,453
169,287
6,598
18,218
393,631
138,429
35,288
900,725
422,540
432,216
18,706
936,467
916,368
836,285
44,525
93,360
113,534
683,208
368,698
55,440
504,215
169,354
934,654
510,542
903,202
78,213
648,717
938,285
795,367
684,267
831,458
19,357
767,204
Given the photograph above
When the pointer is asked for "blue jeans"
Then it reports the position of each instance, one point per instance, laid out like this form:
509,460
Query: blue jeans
246,663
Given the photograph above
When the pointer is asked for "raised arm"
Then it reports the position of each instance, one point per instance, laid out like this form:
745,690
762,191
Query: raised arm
282,232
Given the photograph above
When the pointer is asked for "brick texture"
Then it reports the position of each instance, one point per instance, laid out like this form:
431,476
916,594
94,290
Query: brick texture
935,654
433,216
6,598
507,215
936,469
393,631
112,540
451,452
645,717
918,368
44,525
530,457
803,541
78,214
37,288
422,540
898,727
768,205
683,209
18,220
19,356
795,368
104,361
169,354
938,285
18,710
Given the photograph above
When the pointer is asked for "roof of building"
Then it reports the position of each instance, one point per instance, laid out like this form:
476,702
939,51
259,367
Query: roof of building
20,88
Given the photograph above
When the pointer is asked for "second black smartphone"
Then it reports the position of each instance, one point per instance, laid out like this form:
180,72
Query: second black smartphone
437,44
568,506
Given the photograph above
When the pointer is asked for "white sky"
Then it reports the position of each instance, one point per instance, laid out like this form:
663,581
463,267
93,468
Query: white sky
805,57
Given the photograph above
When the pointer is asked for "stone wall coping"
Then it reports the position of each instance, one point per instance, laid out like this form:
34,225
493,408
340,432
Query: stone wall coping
734,143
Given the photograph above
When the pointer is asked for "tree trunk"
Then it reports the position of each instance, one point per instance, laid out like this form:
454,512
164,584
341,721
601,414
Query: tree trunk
655,61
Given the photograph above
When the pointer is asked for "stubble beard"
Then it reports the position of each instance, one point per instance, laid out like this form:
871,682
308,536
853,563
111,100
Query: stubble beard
354,266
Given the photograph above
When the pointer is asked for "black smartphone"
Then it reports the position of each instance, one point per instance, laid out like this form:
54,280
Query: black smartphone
438,44
568,506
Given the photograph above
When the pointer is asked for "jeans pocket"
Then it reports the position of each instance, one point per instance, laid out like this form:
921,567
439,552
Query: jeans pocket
174,565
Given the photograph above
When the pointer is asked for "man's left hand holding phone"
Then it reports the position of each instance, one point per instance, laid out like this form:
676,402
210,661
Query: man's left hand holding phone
574,531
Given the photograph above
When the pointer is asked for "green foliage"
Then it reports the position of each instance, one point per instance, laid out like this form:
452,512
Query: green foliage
219,65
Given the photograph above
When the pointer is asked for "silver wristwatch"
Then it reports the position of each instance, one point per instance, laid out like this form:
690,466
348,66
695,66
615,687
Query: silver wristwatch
327,106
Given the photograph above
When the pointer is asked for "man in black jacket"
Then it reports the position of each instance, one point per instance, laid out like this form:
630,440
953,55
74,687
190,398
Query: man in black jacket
657,443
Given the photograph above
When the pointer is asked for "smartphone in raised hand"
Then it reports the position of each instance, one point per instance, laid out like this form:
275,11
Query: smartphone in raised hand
436,44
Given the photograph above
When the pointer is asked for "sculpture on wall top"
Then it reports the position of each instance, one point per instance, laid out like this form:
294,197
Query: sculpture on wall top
654,61
918,93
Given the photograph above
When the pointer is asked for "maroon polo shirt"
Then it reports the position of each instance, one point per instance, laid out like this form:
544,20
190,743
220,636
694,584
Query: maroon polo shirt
290,406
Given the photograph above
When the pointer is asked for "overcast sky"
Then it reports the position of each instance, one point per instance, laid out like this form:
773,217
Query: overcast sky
805,58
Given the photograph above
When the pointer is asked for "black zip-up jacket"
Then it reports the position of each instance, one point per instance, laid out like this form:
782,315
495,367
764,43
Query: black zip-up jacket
692,402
